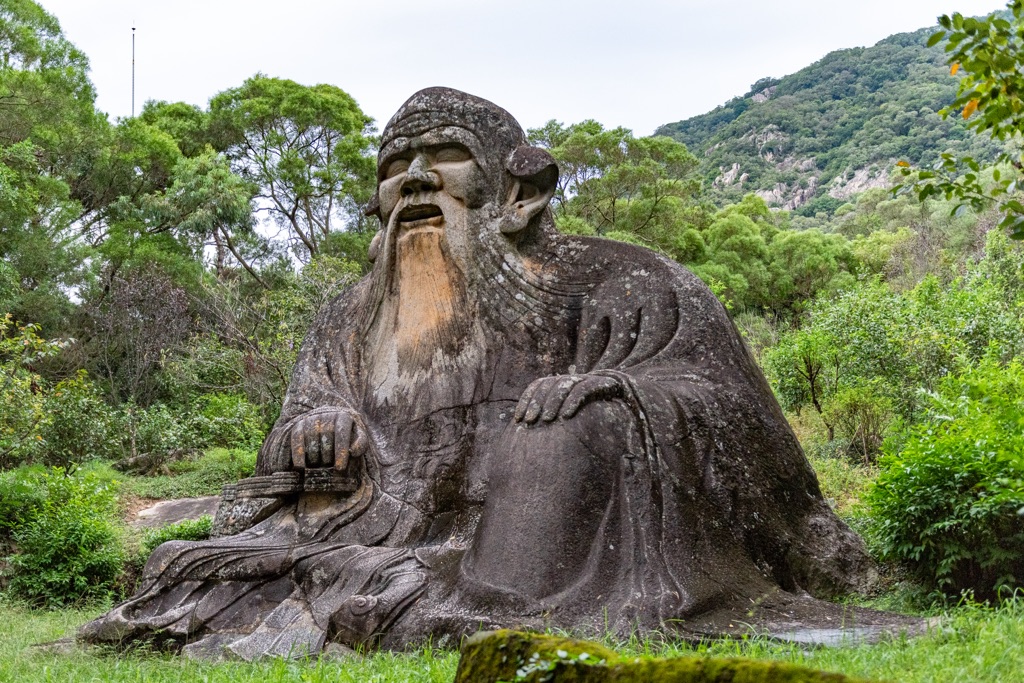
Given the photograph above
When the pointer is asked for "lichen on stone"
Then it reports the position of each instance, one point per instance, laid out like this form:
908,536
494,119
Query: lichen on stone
517,657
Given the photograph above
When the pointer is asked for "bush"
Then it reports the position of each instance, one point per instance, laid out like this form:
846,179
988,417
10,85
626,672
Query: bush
79,425
950,505
153,435
186,530
67,545
229,421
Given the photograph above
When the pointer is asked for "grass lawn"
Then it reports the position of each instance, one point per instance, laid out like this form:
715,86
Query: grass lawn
974,644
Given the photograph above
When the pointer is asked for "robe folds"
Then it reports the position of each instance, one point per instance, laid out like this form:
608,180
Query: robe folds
678,496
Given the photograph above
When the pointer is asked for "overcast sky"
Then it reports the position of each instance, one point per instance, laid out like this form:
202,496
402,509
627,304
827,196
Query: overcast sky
635,63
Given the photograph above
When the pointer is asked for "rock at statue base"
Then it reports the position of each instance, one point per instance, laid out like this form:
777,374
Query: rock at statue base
502,426
503,656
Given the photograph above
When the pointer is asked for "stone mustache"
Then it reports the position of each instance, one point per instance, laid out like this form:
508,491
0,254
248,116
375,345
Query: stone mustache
502,426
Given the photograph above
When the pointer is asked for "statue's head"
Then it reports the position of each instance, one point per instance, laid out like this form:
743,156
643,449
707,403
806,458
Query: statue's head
453,162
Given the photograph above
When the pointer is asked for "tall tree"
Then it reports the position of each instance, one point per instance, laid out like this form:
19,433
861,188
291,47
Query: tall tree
989,54
306,148
611,183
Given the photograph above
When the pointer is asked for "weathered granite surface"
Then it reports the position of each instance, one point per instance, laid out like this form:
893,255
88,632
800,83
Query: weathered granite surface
502,426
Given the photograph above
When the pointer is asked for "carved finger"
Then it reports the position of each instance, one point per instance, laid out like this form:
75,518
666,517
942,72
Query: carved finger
524,400
342,439
557,396
312,432
360,441
537,399
328,441
591,389
298,446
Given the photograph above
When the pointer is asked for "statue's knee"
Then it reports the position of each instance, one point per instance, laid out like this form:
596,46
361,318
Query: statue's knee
603,428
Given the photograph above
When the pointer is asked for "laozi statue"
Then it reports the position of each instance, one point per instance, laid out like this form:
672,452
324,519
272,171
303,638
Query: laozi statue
503,426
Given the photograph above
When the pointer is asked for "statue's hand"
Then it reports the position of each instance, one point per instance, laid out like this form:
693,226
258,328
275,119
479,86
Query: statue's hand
327,438
563,395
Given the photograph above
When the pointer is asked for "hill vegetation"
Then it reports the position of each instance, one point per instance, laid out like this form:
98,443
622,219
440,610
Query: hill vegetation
813,139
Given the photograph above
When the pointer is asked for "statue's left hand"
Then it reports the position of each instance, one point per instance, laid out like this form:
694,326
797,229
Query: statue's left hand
563,395
327,438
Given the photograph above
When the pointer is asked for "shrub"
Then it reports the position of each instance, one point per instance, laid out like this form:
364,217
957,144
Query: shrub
153,435
950,504
186,530
229,421
79,425
67,547
21,390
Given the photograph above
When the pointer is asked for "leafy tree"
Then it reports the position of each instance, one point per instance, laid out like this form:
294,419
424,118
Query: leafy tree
737,257
48,129
990,97
642,190
305,148
947,504
802,264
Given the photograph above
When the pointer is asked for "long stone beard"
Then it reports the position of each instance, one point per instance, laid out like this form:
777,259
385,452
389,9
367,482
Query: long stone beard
423,340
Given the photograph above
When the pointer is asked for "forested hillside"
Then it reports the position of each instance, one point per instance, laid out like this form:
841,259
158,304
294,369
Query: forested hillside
811,140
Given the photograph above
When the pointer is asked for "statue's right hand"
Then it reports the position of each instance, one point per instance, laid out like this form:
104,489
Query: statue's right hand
327,438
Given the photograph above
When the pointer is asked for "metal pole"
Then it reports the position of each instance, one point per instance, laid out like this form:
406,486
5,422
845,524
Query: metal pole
133,72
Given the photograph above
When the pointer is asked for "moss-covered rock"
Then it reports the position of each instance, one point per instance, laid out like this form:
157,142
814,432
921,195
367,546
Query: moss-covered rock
512,656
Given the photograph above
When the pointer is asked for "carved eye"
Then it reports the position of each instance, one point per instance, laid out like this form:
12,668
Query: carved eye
396,167
451,153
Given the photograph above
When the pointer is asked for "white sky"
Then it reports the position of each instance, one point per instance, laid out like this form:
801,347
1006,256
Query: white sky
635,63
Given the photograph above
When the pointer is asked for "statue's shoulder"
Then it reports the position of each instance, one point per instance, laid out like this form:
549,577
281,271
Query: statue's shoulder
343,307
604,260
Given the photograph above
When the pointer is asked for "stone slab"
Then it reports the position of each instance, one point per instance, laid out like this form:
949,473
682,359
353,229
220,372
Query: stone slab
173,511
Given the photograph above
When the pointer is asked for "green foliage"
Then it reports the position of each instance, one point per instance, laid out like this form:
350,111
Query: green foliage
67,544
22,401
851,110
990,97
199,476
640,190
78,424
185,530
950,503
883,346
306,149
229,420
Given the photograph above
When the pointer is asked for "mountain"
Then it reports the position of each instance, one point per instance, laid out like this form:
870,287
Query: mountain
811,140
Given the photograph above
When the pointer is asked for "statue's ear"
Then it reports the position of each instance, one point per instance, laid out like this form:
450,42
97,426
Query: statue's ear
536,176
373,208
374,248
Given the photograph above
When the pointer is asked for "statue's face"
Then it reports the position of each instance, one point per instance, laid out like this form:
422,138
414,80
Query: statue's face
433,181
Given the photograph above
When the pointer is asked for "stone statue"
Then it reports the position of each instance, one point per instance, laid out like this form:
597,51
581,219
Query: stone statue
503,426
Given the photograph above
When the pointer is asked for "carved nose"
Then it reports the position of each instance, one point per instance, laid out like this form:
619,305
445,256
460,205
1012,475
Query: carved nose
419,178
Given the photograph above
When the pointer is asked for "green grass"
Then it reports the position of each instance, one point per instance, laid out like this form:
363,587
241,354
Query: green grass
843,482
21,628
191,477
973,644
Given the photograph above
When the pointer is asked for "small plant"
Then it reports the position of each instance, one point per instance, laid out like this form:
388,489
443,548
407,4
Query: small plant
68,547
950,504
186,530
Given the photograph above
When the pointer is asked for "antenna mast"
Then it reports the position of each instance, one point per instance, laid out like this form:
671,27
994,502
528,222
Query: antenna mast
133,72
